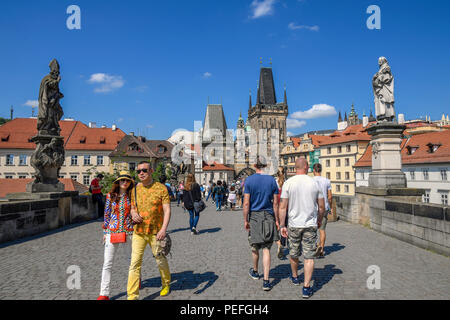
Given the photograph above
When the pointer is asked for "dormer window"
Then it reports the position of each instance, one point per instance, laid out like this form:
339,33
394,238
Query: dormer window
161,149
102,140
432,147
5,136
82,139
411,149
133,147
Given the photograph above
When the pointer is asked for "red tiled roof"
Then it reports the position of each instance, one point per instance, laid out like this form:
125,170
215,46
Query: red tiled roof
296,141
19,185
318,140
422,154
216,167
352,133
20,130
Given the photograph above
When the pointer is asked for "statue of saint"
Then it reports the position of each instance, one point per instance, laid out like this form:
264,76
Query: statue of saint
50,111
383,89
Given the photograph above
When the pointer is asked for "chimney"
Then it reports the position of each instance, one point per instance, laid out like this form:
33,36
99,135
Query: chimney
103,126
114,127
365,121
132,133
401,118
92,125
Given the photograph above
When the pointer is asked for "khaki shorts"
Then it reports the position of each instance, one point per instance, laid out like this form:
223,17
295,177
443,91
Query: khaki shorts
302,240
324,220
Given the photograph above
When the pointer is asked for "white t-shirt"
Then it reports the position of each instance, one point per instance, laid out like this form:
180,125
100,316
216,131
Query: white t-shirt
302,192
324,185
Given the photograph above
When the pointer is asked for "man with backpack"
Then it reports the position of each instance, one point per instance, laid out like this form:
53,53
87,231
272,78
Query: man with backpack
97,195
219,193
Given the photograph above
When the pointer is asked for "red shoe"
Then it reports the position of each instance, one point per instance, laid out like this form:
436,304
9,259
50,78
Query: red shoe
103,298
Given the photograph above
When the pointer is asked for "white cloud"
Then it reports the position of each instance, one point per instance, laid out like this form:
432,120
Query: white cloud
262,8
289,134
317,111
207,75
294,123
149,126
31,103
108,83
293,26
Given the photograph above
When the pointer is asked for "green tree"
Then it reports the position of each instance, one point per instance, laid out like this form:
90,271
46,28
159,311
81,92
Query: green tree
3,121
158,172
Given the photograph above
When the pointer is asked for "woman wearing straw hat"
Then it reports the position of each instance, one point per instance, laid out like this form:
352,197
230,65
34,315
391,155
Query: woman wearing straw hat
117,226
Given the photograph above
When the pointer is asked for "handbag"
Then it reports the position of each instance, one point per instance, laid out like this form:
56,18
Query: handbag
118,237
166,245
199,206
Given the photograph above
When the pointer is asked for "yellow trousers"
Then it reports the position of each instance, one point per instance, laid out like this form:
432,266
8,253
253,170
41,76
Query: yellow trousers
139,243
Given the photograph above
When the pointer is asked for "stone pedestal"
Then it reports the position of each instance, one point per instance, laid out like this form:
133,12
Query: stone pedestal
47,160
386,156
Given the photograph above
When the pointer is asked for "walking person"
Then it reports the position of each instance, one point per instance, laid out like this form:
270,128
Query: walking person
261,219
306,208
238,194
213,193
97,195
225,194
232,197
117,227
150,210
282,242
325,187
209,190
192,193
219,191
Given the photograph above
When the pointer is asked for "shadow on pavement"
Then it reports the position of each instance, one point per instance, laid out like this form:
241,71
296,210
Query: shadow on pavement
333,248
322,276
185,280
212,230
177,230
282,271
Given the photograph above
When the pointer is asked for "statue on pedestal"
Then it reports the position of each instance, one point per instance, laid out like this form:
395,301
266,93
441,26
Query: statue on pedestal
383,89
50,111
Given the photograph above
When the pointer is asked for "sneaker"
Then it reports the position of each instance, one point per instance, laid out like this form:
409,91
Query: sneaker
307,292
295,280
103,298
253,274
194,231
165,291
266,285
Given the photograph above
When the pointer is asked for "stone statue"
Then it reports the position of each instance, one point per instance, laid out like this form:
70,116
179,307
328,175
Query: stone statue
46,159
383,89
50,111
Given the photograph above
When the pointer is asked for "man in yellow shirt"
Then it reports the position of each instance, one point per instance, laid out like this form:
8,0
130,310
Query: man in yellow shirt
150,210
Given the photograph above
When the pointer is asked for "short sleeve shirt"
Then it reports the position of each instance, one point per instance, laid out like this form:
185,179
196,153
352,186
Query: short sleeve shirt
324,185
150,200
261,188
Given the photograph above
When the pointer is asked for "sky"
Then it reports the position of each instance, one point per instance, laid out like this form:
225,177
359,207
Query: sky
152,66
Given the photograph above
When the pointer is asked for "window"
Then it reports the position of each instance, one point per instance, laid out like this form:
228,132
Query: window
338,162
74,177
86,180
328,176
329,150
8,177
328,163
412,174
338,188
362,175
132,166
9,160
349,148
338,176
161,149
444,174
339,149
346,188
23,160
425,174
74,161
426,196
87,160
444,198
99,160
22,177
347,176
221,175
347,162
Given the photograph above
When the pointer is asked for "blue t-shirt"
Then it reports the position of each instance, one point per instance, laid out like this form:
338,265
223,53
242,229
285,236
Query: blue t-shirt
261,188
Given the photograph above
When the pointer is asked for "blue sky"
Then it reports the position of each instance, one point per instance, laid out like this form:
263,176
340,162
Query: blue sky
150,66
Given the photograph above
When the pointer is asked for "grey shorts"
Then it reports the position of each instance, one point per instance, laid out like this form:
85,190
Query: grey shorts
324,220
302,240
256,247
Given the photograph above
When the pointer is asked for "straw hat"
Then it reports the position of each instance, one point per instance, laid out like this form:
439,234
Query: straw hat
124,175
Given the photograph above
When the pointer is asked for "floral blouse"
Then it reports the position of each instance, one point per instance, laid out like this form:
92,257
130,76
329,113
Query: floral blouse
118,215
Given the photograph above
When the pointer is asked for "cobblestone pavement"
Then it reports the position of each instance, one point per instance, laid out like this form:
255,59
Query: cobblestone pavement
214,265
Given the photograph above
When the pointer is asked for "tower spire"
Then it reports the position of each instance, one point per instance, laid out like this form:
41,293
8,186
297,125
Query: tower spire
12,112
285,97
340,117
250,99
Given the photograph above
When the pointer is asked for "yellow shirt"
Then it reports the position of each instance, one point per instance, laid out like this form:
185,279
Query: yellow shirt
149,205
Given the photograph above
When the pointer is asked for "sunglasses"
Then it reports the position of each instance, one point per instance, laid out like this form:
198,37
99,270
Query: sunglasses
141,170
124,180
